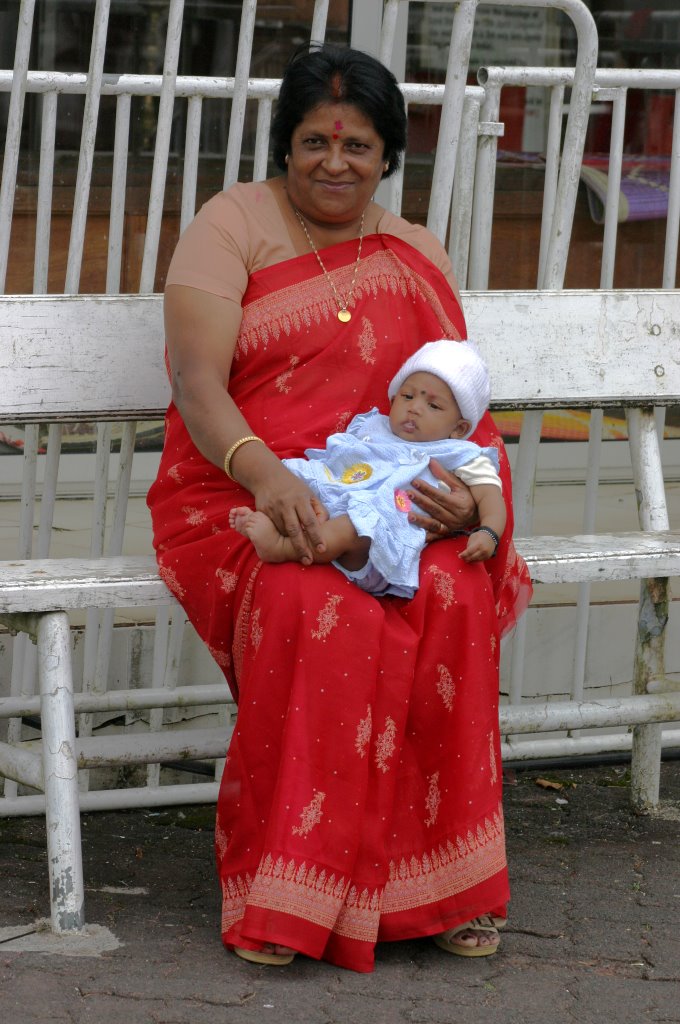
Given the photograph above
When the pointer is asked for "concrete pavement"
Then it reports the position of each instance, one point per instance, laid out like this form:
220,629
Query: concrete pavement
592,934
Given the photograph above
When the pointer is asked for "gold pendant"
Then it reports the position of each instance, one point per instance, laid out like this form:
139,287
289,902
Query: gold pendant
344,316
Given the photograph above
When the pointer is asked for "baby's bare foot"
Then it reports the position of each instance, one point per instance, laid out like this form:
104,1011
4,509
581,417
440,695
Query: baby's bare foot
238,518
269,544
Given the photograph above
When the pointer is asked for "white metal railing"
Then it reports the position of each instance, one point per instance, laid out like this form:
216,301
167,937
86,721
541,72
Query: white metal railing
462,207
610,86
195,90
452,116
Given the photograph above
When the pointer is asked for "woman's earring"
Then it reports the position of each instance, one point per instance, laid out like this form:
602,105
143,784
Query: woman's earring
286,159
386,167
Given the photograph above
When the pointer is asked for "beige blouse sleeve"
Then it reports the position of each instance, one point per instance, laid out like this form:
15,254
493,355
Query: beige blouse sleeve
213,252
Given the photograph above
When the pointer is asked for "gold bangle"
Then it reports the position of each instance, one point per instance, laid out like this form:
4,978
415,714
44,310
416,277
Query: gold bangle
235,446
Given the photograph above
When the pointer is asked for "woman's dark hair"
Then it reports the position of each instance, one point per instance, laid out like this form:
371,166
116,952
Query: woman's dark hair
333,74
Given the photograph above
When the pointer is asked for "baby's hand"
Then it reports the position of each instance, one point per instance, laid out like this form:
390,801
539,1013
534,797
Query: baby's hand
480,546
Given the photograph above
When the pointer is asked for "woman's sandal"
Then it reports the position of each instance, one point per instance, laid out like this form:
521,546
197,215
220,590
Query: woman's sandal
486,924
260,956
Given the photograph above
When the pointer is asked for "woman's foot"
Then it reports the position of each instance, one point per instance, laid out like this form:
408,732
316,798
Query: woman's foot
269,544
271,955
478,937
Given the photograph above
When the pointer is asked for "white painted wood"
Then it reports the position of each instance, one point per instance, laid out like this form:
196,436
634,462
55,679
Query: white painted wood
173,36
611,219
17,85
132,581
191,153
60,769
125,700
238,105
114,261
319,19
69,357
590,744
544,349
43,221
44,585
21,766
557,716
578,348
670,261
596,557
153,747
87,143
123,799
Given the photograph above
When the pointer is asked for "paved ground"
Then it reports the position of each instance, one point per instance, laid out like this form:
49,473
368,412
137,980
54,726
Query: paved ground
592,934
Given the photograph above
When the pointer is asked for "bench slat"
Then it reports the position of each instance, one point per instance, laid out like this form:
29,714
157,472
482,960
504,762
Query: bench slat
69,357
40,585
598,557
578,348
50,584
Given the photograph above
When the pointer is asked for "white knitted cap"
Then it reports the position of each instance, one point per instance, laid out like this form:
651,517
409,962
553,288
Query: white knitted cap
458,364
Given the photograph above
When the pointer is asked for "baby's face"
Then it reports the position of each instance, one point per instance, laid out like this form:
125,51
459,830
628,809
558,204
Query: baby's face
424,409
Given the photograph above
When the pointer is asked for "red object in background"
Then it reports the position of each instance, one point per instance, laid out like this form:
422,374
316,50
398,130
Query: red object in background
659,125
513,98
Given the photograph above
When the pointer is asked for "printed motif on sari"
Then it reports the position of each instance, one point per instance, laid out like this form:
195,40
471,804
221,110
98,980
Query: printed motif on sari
446,688
327,618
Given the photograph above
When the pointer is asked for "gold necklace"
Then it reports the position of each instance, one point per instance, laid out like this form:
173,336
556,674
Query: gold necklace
344,315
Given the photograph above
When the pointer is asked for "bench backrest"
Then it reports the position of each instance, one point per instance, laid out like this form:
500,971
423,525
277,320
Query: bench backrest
102,357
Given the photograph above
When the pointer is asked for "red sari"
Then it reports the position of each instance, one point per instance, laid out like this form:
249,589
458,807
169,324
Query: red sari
361,799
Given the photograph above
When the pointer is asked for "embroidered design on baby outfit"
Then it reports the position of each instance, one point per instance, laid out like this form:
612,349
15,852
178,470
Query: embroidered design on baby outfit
402,501
356,473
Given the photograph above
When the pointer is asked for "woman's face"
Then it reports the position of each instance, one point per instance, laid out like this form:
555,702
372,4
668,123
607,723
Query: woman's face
335,164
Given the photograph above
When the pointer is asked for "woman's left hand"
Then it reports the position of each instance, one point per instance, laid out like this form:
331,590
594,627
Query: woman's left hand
444,510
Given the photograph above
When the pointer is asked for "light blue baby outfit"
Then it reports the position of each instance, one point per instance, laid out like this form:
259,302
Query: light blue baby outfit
364,473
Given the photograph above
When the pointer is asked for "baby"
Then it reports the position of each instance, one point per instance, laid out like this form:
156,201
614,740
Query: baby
437,398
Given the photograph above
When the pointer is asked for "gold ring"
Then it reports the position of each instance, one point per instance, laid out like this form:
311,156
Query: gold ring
442,528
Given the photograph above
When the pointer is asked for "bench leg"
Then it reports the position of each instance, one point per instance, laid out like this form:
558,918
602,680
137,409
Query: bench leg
649,664
646,460
645,767
61,774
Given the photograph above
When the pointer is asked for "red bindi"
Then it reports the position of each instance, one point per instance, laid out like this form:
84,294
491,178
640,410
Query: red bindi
335,135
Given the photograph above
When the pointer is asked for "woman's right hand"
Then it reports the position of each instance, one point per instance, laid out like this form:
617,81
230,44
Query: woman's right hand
294,509
443,511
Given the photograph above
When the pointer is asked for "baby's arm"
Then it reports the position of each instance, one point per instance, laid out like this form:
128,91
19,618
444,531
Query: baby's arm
492,514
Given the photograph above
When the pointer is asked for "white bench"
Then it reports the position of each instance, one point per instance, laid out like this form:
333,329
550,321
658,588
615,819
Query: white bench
100,358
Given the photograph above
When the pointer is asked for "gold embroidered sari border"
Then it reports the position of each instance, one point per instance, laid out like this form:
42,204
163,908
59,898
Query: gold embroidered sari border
306,303
327,899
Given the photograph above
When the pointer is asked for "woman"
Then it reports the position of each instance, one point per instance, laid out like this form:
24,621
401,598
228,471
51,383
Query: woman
361,798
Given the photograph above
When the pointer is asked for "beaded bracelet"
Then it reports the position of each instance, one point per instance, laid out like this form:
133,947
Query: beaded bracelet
235,446
492,533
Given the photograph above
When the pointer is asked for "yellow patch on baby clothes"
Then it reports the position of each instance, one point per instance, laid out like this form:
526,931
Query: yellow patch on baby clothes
356,473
